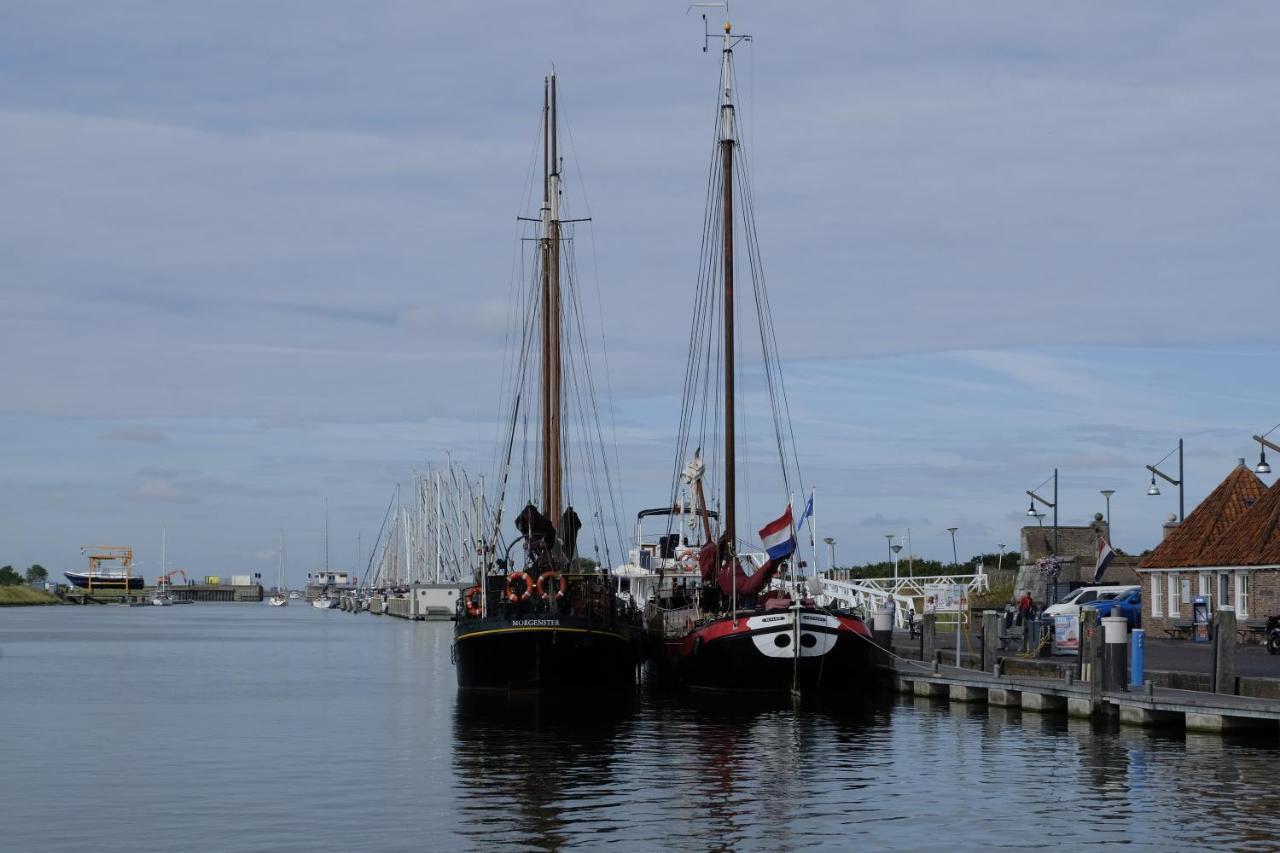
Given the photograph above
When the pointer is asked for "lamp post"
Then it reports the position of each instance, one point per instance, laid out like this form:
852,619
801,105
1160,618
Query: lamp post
1053,504
892,566
1154,490
1000,560
1107,493
959,613
895,549
831,546
1262,467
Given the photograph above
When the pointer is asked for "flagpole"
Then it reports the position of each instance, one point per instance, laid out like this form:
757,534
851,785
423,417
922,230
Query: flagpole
813,531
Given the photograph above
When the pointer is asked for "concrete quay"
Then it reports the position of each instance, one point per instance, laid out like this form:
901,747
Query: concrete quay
1149,706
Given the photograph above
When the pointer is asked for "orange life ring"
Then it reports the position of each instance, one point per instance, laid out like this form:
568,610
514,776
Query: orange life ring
512,596
542,589
472,598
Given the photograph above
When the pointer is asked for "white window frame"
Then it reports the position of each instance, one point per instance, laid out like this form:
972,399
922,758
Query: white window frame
1157,595
1242,595
1204,585
1173,594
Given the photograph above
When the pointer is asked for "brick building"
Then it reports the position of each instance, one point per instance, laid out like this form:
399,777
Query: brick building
1227,549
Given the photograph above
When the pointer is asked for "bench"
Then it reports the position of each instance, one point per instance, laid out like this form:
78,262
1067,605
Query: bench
1178,628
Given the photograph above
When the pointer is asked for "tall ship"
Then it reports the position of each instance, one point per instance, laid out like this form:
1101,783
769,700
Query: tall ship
101,576
541,615
723,612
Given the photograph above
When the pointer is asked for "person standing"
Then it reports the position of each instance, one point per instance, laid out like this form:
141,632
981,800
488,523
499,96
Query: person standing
1025,607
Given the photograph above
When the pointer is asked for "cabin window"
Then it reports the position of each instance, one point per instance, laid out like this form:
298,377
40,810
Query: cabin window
1242,595
1157,595
1173,594
624,585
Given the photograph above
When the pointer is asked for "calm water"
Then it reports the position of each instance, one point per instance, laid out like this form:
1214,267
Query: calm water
244,727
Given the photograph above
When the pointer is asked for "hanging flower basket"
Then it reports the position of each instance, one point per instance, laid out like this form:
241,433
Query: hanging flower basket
1049,568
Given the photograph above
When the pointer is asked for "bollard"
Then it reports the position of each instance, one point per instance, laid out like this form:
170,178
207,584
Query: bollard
1137,657
990,639
882,627
1224,651
1115,653
928,636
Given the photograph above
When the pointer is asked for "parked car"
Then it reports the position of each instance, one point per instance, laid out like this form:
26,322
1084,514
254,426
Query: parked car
1086,595
1128,605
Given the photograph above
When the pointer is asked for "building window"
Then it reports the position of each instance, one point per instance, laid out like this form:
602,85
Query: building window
1224,590
1157,595
1173,593
1242,595
1204,585
1185,596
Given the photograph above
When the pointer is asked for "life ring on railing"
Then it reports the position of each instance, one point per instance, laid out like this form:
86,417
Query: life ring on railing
554,576
472,598
512,595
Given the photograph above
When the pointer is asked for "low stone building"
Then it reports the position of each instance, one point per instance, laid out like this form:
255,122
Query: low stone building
1227,549
1077,555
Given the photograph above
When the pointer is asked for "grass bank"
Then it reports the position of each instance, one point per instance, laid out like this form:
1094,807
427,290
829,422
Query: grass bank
18,596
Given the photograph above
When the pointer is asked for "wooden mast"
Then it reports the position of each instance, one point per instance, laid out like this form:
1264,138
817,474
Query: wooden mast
554,425
726,168
544,412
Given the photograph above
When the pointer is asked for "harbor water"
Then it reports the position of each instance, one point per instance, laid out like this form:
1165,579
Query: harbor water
219,727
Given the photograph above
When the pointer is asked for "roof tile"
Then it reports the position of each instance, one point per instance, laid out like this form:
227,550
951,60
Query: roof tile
1198,539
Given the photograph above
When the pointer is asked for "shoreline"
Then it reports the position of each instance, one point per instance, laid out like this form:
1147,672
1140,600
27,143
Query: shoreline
25,596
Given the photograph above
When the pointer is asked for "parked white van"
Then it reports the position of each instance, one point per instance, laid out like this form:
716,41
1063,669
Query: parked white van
1085,595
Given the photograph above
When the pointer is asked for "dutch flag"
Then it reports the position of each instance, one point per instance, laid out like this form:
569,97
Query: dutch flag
778,538
1105,556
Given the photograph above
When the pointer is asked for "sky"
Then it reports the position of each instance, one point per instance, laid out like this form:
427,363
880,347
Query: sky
254,256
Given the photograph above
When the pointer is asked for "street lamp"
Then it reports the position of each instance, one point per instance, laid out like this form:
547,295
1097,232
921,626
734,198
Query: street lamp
1053,504
831,545
1154,490
1107,493
1039,517
895,549
1000,561
1262,466
955,560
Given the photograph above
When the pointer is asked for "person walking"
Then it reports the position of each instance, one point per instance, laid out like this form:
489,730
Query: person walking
1026,605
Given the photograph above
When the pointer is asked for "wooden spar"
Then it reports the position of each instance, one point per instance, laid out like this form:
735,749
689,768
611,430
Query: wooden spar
544,412
554,426
726,151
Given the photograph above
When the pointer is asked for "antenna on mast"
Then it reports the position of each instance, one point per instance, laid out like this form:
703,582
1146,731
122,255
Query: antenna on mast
707,35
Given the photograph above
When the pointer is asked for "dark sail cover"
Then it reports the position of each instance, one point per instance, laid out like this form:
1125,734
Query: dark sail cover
536,527
570,524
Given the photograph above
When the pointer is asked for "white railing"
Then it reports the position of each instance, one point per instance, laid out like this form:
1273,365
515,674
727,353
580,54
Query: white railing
871,594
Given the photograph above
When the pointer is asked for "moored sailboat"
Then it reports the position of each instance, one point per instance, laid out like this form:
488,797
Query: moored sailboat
279,598
721,621
540,617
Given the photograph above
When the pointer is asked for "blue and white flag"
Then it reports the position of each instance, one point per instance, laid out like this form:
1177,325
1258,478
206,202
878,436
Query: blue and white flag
808,511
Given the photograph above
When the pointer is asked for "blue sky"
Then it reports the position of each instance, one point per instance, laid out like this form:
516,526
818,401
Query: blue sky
260,254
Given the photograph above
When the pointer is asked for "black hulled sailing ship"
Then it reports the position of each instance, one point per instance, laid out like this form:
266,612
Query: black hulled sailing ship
540,617
733,619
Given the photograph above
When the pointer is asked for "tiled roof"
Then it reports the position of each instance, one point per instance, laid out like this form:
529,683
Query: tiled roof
1254,540
1196,541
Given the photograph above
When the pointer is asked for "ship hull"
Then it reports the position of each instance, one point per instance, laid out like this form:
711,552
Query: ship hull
763,652
82,580
561,653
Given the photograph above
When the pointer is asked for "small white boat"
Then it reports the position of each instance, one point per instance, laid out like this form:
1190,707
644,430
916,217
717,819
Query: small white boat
294,594
161,599
278,598
324,601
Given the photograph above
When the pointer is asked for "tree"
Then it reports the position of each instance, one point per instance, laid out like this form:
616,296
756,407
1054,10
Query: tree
37,573
8,577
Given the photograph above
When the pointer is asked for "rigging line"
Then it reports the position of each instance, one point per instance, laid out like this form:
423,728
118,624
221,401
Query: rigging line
576,305
385,515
